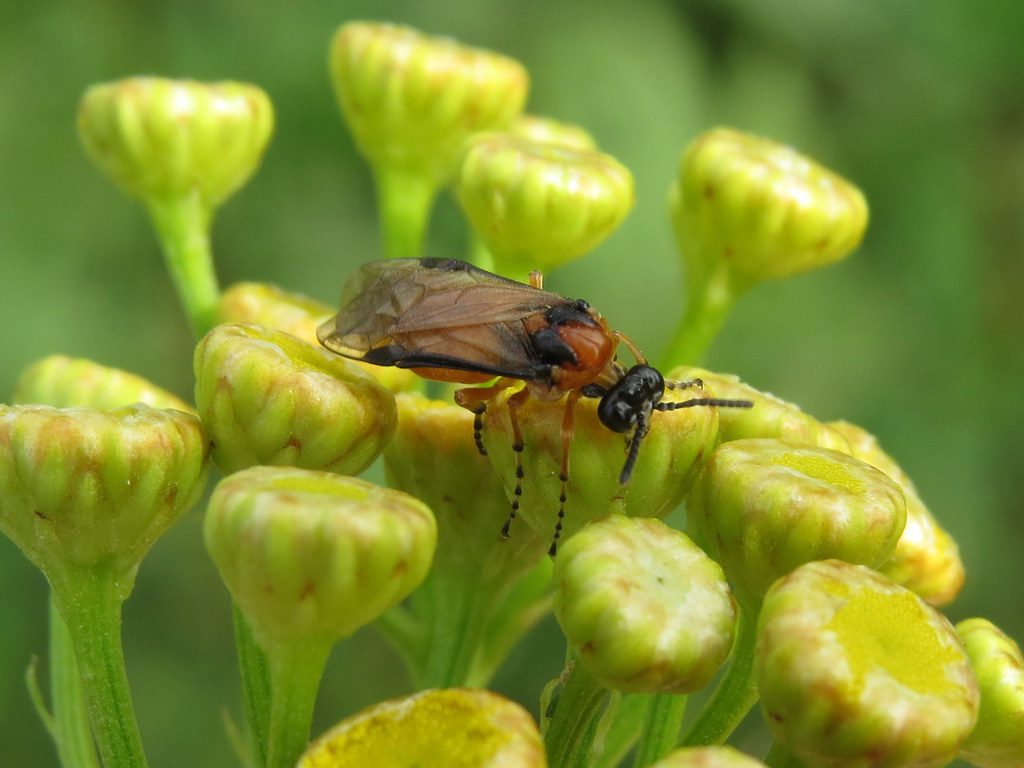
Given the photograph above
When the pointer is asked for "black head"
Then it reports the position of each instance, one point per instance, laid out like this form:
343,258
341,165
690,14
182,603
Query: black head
628,404
634,394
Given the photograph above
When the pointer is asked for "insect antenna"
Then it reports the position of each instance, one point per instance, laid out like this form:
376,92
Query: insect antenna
642,427
703,401
674,385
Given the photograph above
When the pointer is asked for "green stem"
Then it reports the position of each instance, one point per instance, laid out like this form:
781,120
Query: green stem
90,602
710,299
255,678
575,716
735,693
660,734
71,733
295,672
405,201
183,226
624,729
780,757
456,627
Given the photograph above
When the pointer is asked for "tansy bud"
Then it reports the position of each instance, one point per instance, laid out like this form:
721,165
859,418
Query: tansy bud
669,460
459,728
411,100
161,139
312,554
265,397
770,416
547,131
707,757
538,205
854,670
760,209
762,507
927,559
66,382
998,739
273,307
84,489
646,610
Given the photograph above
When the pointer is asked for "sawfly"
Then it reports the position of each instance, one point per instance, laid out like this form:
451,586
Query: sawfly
450,321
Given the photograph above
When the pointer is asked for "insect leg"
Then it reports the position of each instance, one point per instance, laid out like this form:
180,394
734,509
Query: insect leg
514,403
474,400
567,432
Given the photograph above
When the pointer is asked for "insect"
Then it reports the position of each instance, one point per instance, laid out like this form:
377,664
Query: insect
450,321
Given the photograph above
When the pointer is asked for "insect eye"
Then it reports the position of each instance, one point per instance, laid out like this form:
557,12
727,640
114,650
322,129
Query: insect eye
616,411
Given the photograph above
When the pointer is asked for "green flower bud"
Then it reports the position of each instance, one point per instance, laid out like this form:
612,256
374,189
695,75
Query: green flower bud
161,139
265,397
669,460
459,728
84,489
770,416
854,670
312,555
66,382
707,757
433,457
761,507
299,315
761,210
544,130
998,739
927,559
538,206
411,100
646,610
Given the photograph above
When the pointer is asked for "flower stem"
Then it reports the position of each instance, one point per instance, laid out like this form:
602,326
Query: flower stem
295,672
183,226
71,733
405,201
255,677
573,722
660,733
90,602
710,299
624,729
735,694
780,757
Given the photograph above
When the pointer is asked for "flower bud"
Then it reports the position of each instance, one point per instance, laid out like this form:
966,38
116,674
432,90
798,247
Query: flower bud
411,100
299,315
761,210
538,206
707,757
762,507
670,458
81,488
998,739
854,670
433,457
927,559
646,610
456,727
770,416
265,397
312,555
66,382
160,139
544,130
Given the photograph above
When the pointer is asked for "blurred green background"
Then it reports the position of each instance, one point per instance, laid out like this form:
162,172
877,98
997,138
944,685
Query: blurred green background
917,337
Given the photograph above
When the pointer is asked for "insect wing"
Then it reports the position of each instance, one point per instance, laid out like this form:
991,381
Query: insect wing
437,313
